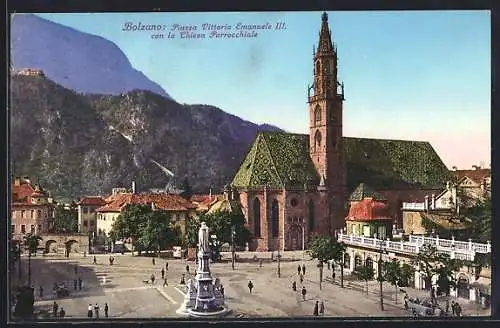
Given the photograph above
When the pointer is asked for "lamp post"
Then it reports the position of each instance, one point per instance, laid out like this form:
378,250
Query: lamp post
279,257
320,267
233,232
380,277
303,239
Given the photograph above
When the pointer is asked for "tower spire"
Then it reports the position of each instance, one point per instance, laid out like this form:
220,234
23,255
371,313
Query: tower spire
325,40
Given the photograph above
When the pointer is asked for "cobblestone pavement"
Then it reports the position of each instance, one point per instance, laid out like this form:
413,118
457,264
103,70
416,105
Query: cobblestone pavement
122,286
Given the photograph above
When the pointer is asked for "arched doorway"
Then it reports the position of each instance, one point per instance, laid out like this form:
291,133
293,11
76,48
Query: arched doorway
463,287
357,262
295,237
347,260
369,262
72,246
50,246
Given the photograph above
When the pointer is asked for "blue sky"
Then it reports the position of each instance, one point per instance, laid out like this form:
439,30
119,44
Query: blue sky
408,75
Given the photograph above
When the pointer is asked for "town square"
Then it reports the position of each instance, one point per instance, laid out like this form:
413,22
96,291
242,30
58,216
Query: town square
127,204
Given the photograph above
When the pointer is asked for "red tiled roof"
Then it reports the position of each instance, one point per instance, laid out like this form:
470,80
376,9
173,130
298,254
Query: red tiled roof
368,210
475,175
21,194
166,202
92,200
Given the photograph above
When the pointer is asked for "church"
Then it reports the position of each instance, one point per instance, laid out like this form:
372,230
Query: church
292,186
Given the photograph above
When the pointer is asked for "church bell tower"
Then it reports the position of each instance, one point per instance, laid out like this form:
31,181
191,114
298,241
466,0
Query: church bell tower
325,98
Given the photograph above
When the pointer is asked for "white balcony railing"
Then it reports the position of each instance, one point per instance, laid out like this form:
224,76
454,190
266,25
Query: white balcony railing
452,243
413,206
413,246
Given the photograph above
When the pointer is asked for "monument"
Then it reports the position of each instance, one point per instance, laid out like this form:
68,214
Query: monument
203,294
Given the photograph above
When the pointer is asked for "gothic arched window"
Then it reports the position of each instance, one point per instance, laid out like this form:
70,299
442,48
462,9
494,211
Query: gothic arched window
256,217
275,218
317,115
311,215
317,141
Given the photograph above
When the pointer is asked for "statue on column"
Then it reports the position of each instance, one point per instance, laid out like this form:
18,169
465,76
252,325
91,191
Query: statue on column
203,243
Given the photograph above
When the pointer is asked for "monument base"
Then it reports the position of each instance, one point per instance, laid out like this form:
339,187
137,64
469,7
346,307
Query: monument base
209,313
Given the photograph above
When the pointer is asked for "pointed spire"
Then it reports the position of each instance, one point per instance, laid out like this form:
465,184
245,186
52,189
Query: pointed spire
325,40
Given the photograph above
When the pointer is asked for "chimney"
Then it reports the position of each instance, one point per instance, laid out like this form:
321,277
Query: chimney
433,202
133,187
453,168
426,202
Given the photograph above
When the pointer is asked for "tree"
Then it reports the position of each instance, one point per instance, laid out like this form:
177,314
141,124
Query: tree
66,218
324,248
220,224
31,242
365,273
398,274
429,263
479,220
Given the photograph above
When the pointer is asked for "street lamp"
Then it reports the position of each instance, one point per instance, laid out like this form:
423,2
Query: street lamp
303,238
233,233
380,276
320,267
279,257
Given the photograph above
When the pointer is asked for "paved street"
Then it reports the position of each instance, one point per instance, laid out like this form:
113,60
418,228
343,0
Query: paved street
122,287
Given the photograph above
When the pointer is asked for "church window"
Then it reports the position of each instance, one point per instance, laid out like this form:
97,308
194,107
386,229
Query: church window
317,141
275,218
256,217
311,215
317,115
294,202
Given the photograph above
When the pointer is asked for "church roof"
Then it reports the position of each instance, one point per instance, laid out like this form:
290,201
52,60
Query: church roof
278,159
364,191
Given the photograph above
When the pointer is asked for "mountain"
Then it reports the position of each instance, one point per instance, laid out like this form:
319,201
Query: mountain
78,61
78,144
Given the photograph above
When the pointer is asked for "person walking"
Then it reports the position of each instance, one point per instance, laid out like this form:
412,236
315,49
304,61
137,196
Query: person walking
152,278
304,292
250,286
299,270
95,260
154,261
304,269
294,286
80,282
40,291
458,309
447,307
453,308
162,273
166,266
315,311
301,278
62,313
165,282
183,282
96,310
106,310
322,308
333,276
55,307
89,311
75,284
187,268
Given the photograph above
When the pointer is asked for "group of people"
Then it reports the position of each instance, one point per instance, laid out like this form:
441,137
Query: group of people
319,309
56,312
93,311
433,308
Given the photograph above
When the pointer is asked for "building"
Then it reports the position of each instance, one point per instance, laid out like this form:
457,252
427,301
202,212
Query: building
368,215
31,72
178,207
32,208
87,216
204,202
293,184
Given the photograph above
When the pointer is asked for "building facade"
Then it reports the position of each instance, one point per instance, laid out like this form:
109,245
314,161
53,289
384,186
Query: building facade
87,216
290,185
32,209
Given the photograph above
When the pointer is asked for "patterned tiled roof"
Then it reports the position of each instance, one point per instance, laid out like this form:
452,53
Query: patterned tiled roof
364,191
92,200
368,210
165,202
274,157
477,175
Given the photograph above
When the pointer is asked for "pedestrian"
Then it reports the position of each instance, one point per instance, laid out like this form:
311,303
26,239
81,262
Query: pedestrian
75,284
250,286
96,310
187,268
166,266
152,278
322,308
458,310
95,260
303,269
328,264
333,276
80,283
165,282
106,310
294,286
260,263
55,307
301,278
41,291
222,290
453,308
162,273
304,292
183,282
315,311
154,261
447,306
299,270
62,313
89,311
110,261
